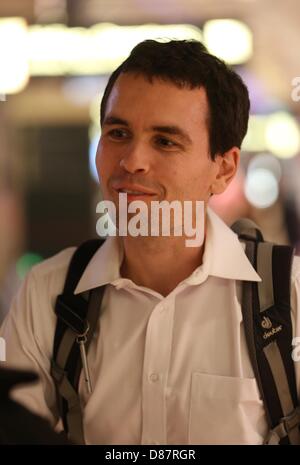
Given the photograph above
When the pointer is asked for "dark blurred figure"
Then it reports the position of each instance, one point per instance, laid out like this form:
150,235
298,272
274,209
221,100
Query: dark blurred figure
17,424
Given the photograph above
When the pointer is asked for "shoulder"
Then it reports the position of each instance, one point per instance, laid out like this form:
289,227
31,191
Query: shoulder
43,283
55,266
31,315
296,269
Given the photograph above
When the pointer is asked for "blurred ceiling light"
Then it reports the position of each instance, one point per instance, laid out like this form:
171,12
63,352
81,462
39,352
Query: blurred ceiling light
58,50
282,135
255,140
268,162
14,72
277,133
261,187
229,39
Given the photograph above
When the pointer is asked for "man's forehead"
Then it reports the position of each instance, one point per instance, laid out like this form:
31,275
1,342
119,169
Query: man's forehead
132,91
130,82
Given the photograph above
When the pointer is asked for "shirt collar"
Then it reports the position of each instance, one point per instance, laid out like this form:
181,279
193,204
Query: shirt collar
223,257
224,254
104,267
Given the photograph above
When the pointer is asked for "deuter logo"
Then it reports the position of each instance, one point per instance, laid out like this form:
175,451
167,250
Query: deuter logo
2,350
266,323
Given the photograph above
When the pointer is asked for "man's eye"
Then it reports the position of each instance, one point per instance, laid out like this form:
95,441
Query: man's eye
117,134
166,143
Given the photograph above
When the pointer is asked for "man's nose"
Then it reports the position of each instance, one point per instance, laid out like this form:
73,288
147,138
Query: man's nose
135,159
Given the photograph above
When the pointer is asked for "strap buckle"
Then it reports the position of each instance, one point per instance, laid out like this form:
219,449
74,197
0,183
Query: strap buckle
292,420
284,427
69,308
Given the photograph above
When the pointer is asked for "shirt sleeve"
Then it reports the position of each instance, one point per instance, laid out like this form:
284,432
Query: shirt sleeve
295,306
28,332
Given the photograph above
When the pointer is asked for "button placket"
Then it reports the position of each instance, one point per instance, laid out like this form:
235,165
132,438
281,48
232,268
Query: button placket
156,360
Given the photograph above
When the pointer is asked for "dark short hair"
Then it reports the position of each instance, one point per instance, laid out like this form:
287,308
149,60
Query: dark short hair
187,63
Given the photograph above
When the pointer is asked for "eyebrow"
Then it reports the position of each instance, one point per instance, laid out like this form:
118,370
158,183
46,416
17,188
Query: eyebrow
166,129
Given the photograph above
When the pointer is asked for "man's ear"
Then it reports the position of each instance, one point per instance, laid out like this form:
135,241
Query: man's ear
227,165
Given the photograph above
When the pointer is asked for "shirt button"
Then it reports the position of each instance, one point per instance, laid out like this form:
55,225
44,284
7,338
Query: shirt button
151,442
154,377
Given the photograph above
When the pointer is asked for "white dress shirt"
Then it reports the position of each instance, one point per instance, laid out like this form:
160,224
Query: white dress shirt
164,370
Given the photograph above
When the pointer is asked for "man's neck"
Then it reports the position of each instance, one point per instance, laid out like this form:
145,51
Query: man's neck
159,263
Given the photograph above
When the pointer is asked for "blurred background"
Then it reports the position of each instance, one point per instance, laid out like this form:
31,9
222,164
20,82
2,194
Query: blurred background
55,59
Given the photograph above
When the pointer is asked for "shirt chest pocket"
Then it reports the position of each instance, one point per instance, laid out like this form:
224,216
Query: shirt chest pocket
225,410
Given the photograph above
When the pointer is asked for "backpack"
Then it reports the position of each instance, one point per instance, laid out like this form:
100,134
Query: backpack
267,322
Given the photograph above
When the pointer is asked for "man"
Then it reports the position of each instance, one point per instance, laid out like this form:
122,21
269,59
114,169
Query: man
170,364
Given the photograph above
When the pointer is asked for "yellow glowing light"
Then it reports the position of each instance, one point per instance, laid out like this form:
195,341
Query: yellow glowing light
57,49
14,72
277,133
282,135
229,39
255,140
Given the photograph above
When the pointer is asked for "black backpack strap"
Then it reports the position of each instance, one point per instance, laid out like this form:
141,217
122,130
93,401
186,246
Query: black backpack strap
77,316
268,330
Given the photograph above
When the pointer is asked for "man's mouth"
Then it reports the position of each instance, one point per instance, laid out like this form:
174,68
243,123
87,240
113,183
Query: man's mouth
129,192
134,191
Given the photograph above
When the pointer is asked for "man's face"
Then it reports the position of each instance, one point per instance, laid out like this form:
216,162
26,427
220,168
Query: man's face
155,137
